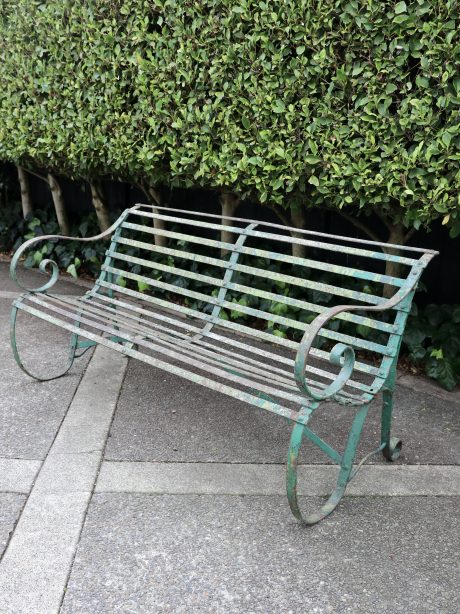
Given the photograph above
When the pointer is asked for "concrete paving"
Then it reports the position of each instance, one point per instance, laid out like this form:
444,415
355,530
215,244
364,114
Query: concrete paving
10,508
270,479
162,418
238,555
53,516
31,411
177,505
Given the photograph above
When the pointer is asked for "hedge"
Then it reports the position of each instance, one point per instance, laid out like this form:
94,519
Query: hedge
349,104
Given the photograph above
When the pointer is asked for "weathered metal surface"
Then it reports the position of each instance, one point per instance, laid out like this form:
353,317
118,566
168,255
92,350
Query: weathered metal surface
257,313
251,270
288,378
274,256
286,239
244,289
186,215
341,351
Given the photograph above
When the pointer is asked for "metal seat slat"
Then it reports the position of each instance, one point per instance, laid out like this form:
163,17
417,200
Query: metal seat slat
231,341
173,338
258,401
85,312
155,346
246,330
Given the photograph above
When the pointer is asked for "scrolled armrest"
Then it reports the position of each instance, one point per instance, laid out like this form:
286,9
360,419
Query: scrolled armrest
50,266
340,350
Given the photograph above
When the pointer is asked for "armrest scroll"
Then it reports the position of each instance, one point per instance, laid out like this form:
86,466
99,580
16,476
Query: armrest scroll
48,266
343,355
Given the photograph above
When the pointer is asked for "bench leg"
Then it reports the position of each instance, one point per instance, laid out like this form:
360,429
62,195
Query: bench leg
346,466
72,350
392,445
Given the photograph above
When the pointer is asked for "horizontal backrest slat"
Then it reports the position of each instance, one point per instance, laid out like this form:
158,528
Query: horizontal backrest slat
251,270
278,298
274,256
187,214
344,249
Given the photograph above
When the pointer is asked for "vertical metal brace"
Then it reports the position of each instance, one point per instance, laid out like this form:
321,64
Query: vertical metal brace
108,276
104,275
226,280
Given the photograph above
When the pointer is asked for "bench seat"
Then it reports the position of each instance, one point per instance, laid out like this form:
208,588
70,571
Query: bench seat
253,372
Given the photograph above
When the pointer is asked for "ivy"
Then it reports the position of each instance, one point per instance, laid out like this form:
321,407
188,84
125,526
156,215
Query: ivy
74,257
432,338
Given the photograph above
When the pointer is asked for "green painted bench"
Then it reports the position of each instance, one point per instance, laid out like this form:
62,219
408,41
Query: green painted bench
261,326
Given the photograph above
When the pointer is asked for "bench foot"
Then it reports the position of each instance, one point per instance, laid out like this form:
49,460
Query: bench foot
345,473
392,450
72,351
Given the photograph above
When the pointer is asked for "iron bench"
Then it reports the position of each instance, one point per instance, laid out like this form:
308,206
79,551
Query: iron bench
288,363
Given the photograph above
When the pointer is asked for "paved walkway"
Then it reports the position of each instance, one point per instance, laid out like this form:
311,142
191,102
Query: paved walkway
125,489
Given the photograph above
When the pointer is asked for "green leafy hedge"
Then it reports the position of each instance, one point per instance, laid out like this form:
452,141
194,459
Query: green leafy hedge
343,103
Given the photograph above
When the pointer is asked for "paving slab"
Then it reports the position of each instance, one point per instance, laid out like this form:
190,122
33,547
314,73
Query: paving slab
161,417
270,479
17,475
10,508
31,411
227,555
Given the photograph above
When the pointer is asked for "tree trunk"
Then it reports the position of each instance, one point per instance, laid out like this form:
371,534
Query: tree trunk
298,218
229,203
156,197
102,211
26,200
394,269
59,204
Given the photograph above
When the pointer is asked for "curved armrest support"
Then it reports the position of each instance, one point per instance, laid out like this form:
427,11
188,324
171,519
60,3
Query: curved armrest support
50,266
340,350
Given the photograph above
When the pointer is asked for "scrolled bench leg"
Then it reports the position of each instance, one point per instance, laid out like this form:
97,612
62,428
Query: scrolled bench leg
72,350
392,445
346,467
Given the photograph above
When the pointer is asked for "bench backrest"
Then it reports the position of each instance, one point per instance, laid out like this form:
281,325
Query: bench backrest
270,295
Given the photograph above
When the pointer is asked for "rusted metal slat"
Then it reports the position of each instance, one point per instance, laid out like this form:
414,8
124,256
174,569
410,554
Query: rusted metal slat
263,315
344,249
262,253
279,298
